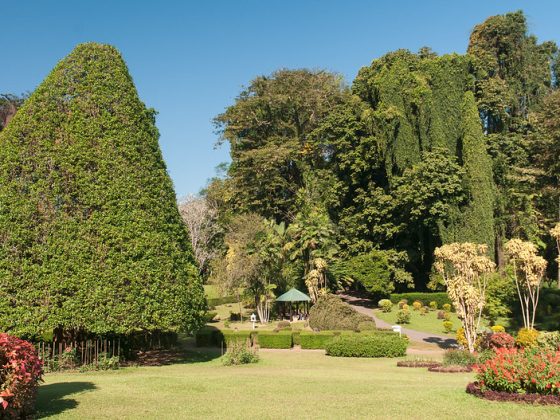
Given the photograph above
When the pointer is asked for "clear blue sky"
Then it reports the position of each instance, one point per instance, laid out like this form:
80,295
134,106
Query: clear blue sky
190,59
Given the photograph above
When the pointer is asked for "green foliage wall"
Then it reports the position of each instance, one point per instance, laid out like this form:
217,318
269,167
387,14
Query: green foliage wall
92,241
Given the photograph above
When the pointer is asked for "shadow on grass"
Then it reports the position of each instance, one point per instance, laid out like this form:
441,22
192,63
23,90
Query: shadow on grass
173,356
442,343
51,398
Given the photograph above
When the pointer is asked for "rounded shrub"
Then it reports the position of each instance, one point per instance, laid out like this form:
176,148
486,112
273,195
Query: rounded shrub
433,305
405,307
441,315
447,316
416,305
403,316
527,338
447,326
385,305
402,302
367,345
21,371
549,340
497,329
446,307
331,313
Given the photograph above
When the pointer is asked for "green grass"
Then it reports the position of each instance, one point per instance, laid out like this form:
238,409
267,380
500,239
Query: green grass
284,384
426,323
211,291
429,322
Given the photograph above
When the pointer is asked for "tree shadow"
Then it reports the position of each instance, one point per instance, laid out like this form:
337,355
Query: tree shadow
442,343
51,398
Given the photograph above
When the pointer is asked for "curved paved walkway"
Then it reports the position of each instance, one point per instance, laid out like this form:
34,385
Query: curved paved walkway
364,306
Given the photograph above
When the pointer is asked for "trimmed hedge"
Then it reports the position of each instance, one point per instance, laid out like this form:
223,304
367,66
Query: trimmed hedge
221,301
367,345
425,297
213,337
273,340
316,340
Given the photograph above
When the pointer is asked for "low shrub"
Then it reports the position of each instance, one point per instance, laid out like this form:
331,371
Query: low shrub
497,329
527,370
403,316
501,340
385,305
367,345
284,324
20,373
416,305
433,305
447,316
460,337
526,338
447,326
440,298
331,313
367,326
405,307
446,307
316,340
441,315
424,310
459,358
274,340
234,316
401,303
239,353
104,362
549,340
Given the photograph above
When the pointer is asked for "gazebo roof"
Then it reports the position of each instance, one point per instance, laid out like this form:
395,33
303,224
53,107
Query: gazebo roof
293,295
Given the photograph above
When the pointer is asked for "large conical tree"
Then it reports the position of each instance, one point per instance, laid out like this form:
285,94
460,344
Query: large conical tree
91,240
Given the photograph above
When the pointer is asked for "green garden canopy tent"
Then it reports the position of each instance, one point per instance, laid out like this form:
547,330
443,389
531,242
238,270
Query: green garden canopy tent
293,295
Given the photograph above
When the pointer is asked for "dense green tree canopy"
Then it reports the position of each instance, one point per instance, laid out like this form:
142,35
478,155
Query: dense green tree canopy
92,241
422,151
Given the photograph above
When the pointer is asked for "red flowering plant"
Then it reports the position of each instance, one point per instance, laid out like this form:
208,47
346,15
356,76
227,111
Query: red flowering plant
21,371
521,371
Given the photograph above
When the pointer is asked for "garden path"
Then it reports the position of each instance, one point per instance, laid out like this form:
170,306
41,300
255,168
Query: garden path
364,306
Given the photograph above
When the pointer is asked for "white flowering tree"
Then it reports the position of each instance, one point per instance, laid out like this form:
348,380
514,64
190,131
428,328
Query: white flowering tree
528,269
464,268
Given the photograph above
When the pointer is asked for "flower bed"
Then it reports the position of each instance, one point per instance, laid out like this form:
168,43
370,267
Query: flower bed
418,363
450,369
475,389
20,373
525,371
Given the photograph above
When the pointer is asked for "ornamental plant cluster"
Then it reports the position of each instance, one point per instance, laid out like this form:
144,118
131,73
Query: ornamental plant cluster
92,241
528,370
20,373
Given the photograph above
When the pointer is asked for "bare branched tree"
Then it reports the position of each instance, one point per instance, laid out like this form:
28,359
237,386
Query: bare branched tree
200,217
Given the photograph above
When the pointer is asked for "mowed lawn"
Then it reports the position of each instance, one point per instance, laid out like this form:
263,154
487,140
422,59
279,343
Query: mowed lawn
305,384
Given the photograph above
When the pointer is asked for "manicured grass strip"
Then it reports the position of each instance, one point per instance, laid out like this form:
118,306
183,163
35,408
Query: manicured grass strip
282,384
